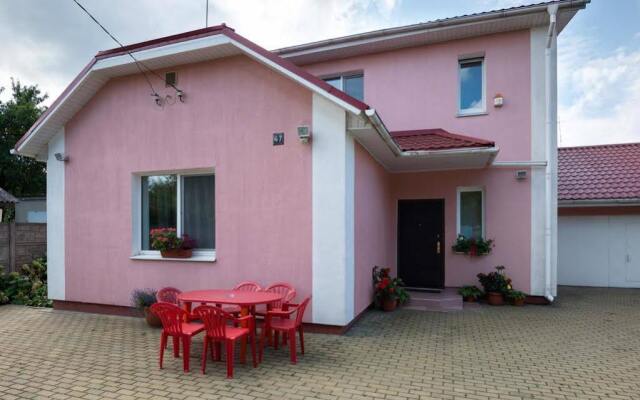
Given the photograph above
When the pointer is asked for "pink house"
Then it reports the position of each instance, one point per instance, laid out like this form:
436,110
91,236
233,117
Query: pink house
310,164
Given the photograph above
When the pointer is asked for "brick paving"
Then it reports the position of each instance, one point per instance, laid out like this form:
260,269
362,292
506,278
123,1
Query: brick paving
586,346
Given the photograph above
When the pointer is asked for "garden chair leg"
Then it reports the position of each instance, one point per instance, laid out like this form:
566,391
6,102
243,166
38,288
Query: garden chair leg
292,345
186,348
163,345
301,333
229,345
176,346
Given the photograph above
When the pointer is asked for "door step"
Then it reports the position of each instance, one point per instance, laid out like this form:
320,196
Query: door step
445,301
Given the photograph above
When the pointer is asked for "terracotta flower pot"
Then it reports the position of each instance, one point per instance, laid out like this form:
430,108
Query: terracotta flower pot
518,302
152,319
176,253
495,298
469,299
389,304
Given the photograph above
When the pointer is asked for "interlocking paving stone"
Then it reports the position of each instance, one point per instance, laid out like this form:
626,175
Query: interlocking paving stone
585,346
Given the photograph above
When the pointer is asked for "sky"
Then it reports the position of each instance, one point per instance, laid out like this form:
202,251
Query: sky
48,42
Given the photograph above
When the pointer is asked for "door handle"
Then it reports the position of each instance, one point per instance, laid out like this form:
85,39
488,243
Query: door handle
438,247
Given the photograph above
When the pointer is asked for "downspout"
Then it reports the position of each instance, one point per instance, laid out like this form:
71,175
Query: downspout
550,142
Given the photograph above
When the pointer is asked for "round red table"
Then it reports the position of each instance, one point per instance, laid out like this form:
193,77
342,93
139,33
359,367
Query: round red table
222,296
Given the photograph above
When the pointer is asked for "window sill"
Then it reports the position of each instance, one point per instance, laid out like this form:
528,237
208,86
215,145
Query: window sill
197,257
471,114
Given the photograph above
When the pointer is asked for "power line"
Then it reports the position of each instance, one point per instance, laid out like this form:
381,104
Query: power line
139,64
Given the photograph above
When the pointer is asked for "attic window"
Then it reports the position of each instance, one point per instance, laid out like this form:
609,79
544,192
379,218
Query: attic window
170,79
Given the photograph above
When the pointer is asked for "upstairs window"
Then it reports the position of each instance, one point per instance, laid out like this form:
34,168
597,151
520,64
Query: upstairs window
184,202
353,85
471,95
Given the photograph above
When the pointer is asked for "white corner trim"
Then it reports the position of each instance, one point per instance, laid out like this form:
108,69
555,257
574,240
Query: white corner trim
459,191
55,219
332,215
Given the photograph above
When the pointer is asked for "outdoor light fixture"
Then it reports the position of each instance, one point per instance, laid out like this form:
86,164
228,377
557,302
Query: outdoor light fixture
61,157
304,134
180,95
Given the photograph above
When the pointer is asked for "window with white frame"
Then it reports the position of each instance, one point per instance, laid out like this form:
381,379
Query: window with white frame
471,86
352,84
182,201
471,213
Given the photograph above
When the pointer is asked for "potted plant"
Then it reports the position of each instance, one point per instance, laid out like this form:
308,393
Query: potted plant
516,297
170,244
495,284
142,299
388,291
472,246
470,293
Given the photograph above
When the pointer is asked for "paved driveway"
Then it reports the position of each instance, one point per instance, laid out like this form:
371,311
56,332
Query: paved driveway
585,346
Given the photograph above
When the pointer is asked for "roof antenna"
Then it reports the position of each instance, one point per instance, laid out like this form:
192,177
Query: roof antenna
206,17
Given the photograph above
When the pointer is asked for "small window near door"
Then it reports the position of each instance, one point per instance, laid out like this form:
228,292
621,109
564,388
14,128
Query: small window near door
471,86
471,213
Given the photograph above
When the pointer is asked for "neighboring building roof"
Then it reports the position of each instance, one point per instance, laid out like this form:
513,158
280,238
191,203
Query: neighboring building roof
599,173
189,47
6,197
436,139
441,30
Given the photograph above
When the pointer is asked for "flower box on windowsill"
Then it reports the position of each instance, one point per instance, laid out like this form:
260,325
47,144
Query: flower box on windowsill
469,254
176,253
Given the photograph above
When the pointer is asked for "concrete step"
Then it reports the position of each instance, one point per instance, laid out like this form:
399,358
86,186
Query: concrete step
445,301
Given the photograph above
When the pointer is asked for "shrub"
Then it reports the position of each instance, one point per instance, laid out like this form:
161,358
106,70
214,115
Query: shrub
27,287
385,287
470,291
496,281
143,298
516,295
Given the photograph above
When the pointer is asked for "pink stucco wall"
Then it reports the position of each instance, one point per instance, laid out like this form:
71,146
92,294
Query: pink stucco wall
417,88
507,218
263,193
375,236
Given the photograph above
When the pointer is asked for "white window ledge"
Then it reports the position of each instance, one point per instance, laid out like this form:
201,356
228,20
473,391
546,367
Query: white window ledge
208,256
471,114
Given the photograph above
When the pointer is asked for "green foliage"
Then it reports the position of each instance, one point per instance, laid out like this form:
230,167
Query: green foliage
28,287
20,176
470,291
472,247
515,295
143,298
497,281
385,287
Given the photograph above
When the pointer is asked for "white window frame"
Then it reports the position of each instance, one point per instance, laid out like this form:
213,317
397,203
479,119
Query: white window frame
199,255
463,189
483,108
342,77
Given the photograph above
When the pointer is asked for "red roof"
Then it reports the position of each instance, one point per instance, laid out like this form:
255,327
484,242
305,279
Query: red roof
605,172
436,139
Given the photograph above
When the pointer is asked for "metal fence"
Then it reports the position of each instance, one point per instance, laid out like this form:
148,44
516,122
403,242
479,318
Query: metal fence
20,243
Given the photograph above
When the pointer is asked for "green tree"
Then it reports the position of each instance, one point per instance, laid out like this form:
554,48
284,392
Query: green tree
21,176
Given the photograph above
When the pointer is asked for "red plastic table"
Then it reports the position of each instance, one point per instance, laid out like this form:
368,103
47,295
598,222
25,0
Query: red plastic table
222,296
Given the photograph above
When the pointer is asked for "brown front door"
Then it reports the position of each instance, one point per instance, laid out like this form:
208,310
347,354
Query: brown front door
421,243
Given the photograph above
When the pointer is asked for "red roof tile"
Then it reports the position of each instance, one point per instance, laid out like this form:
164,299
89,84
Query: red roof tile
436,139
605,172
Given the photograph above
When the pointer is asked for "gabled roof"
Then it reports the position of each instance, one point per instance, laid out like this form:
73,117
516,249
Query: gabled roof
605,172
440,30
6,197
436,139
189,47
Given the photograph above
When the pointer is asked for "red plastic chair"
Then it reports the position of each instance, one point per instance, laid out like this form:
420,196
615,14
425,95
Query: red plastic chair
286,290
279,321
168,295
217,331
243,287
173,325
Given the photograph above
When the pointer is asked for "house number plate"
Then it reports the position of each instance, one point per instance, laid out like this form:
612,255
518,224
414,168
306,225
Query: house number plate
278,138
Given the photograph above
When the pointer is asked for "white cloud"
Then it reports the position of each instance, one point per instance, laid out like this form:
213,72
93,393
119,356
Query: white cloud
602,96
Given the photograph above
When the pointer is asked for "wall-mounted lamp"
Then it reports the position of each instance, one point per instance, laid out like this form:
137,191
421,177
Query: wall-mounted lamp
304,134
498,100
181,96
61,157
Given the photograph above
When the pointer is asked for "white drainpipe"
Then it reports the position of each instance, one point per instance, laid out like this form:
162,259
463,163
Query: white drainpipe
550,142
